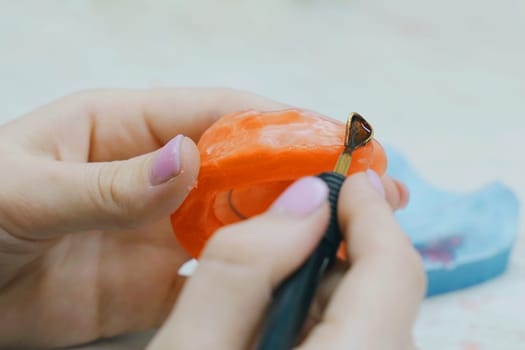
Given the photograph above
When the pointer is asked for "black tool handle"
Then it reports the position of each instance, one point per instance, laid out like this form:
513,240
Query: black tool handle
292,299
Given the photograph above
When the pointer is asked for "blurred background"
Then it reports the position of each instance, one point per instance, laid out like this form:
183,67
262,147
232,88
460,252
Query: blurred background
441,81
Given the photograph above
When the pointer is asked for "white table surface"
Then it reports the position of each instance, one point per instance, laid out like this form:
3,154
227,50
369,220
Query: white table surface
443,81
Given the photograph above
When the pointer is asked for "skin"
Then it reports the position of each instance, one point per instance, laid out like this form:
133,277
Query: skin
86,241
371,306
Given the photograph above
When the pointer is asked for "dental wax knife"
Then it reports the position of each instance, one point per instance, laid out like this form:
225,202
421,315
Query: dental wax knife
292,299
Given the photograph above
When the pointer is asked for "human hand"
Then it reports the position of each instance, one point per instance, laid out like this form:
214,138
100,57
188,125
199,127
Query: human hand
370,306
86,248
85,238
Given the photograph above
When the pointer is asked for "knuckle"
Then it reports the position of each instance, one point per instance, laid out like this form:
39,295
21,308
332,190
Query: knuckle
226,92
400,256
108,198
241,242
84,100
89,99
82,97
229,248
417,272
227,245
411,263
241,99
229,257
86,94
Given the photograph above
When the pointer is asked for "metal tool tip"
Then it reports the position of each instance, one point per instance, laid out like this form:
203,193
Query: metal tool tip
358,131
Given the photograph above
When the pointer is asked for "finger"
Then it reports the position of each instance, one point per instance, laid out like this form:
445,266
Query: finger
404,193
111,124
323,295
396,193
397,196
77,196
223,302
382,291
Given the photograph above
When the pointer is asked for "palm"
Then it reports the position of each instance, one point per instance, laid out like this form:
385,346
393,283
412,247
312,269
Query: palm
107,282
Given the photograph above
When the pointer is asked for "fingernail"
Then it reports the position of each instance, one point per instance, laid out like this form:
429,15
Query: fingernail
302,198
167,163
404,193
376,181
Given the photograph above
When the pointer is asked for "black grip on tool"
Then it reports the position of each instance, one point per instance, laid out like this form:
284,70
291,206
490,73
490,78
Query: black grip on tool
292,299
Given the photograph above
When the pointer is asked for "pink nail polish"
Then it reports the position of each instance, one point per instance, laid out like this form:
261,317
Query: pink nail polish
167,164
302,198
376,181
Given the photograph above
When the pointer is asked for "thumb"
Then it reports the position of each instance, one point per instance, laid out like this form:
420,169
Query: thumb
118,194
142,189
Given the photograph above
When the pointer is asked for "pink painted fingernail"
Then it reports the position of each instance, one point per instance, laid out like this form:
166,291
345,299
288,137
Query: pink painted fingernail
167,164
376,181
302,198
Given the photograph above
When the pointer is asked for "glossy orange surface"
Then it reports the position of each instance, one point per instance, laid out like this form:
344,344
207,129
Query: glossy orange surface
249,158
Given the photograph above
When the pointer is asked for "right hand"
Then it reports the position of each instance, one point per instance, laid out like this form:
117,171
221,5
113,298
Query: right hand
372,305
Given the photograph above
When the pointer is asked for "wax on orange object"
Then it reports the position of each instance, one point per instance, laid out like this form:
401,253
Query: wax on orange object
249,158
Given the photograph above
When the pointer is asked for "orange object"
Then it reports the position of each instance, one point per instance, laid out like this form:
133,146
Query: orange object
249,158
